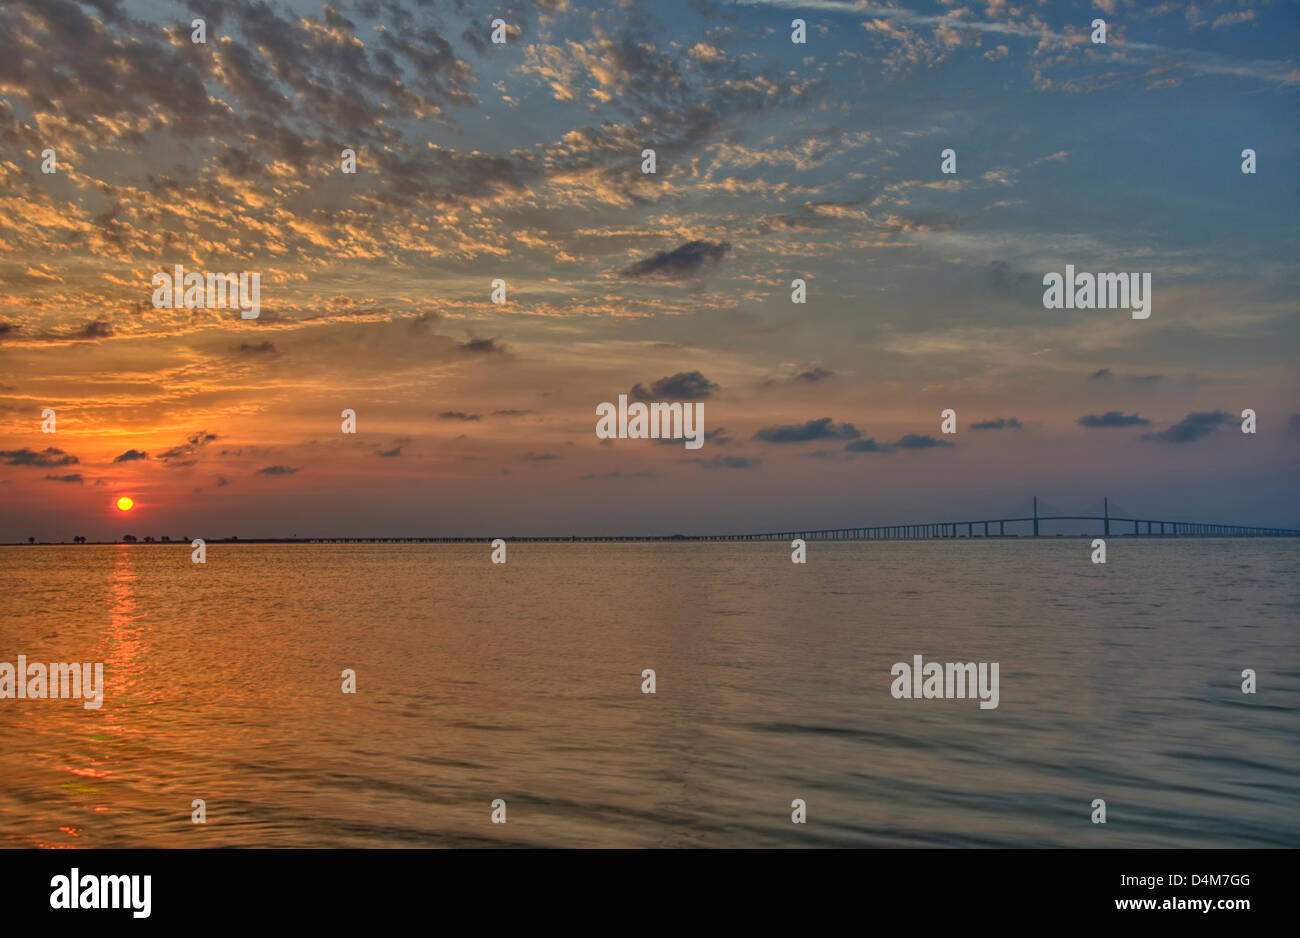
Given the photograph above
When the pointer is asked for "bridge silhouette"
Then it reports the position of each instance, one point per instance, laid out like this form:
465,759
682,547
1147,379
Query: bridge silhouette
1030,525
983,527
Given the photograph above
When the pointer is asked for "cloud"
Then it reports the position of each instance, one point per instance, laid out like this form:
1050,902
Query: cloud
1103,374
868,445
512,413
131,455
916,441
261,348
1232,19
807,376
96,329
458,415
276,471
47,458
538,457
391,453
821,429
703,52
716,437
481,346
619,475
1001,423
193,443
1112,418
683,386
908,441
75,478
813,375
727,462
1193,427
1000,271
692,258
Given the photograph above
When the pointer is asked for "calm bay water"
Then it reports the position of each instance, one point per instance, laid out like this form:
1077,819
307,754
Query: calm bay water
522,681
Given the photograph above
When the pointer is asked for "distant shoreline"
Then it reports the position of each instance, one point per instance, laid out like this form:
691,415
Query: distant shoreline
630,538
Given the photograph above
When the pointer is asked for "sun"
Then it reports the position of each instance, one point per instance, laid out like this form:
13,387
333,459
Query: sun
125,504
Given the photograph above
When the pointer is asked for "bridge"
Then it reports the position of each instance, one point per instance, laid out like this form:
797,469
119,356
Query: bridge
997,527
1109,524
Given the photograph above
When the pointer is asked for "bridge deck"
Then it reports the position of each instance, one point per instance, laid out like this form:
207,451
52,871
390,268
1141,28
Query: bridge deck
983,527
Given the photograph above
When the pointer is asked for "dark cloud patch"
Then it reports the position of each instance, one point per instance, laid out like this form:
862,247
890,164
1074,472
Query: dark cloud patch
180,455
1001,278
258,348
425,322
822,429
512,413
1112,418
222,481
46,459
395,448
96,329
1100,374
908,441
717,437
75,478
131,455
726,462
459,415
1147,379
482,346
868,445
538,457
917,441
1000,273
618,475
813,375
1193,427
683,386
689,260
1001,423
277,471
808,376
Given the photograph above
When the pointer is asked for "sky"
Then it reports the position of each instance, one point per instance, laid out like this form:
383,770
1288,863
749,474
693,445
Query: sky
522,162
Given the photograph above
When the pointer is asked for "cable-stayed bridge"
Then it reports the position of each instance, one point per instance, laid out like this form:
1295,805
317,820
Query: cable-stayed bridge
1031,524
1035,518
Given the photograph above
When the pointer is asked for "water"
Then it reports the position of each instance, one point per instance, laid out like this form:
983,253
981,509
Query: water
479,681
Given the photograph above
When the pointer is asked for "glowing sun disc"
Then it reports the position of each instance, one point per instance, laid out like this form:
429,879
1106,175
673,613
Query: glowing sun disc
124,504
